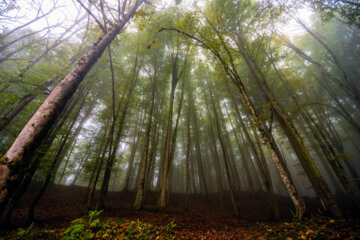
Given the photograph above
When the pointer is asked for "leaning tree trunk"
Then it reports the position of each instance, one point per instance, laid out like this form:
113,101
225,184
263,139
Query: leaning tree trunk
295,140
34,131
22,103
59,157
321,138
29,168
290,187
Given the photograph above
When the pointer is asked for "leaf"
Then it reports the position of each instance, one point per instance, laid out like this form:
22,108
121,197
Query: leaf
78,220
94,223
309,232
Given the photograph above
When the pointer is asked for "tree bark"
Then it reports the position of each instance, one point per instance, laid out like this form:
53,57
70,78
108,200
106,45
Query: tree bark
113,150
302,153
30,137
139,199
175,76
223,147
66,162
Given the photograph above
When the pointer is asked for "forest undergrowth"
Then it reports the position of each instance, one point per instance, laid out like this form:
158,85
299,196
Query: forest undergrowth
204,219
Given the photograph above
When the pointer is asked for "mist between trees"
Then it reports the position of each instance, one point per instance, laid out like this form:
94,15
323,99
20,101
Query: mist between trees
204,97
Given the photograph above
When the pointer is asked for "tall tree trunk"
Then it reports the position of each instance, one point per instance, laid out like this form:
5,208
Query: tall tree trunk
139,199
296,142
198,150
34,131
175,76
234,76
69,141
121,123
97,164
214,151
187,157
28,98
90,196
232,73
223,147
66,162
260,160
166,162
81,166
22,103
29,168
326,147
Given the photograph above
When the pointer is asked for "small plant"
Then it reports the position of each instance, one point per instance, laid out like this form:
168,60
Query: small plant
139,230
23,233
84,228
295,216
169,228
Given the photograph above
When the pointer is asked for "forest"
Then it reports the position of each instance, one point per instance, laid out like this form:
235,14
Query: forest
180,119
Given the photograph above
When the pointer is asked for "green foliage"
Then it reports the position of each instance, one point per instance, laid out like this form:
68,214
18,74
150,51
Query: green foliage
84,228
23,233
349,10
295,216
169,228
137,230
30,233
91,227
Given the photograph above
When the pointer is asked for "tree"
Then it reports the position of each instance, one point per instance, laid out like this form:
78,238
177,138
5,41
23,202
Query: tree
348,9
40,123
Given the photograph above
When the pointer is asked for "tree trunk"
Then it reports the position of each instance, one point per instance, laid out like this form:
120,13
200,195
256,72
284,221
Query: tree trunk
187,157
223,147
113,151
326,147
97,166
261,161
66,162
139,199
302,153
29,167
34,131
22,103
167,152
198,150
165,168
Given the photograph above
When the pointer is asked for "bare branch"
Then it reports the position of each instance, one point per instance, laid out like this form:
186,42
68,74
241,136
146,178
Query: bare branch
28,23
91,14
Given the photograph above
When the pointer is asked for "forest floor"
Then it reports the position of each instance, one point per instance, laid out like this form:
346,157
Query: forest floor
204,219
